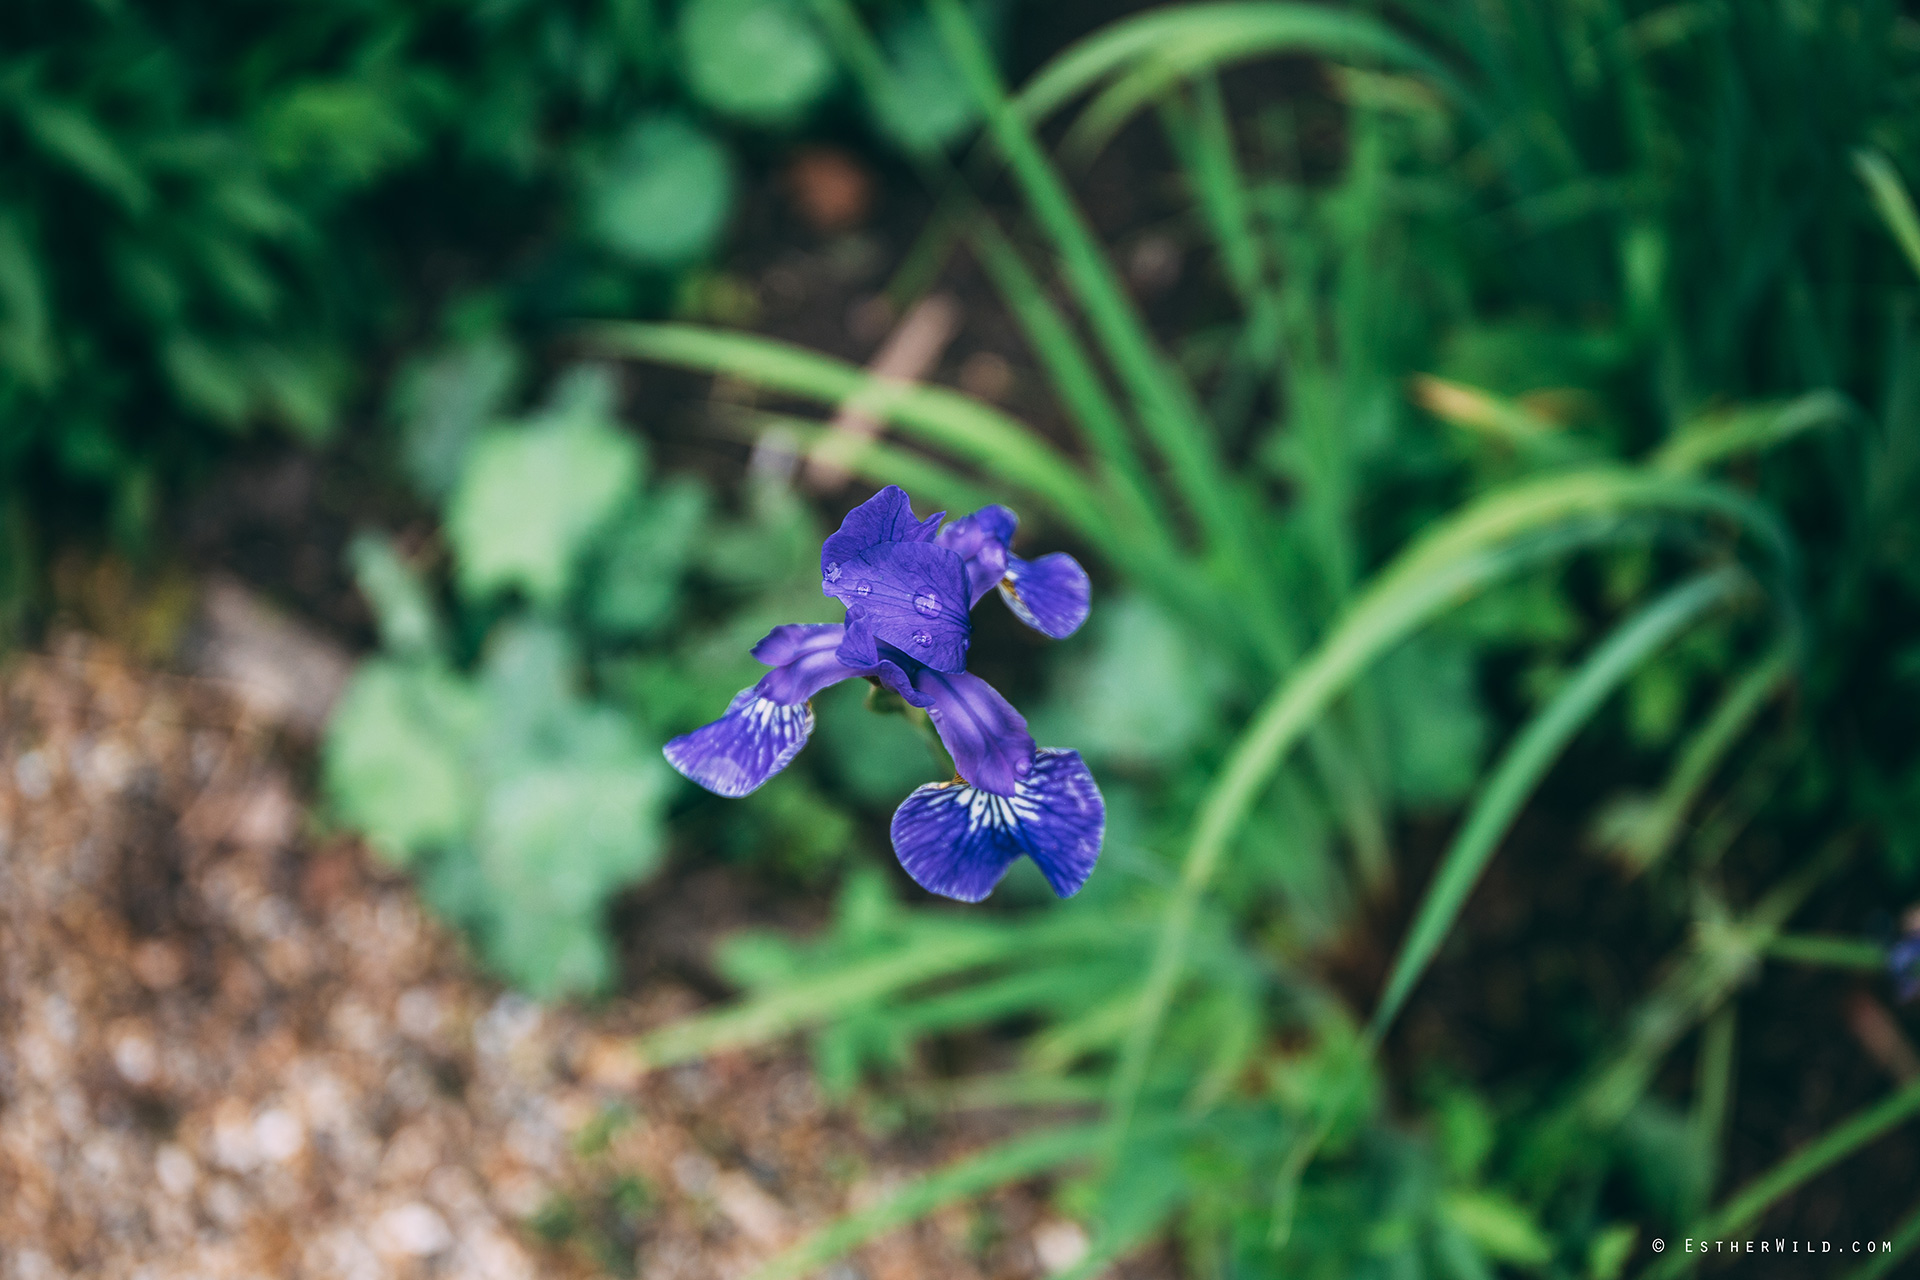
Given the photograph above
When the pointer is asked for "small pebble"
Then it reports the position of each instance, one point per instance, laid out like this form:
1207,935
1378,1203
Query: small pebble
175,1170
415,1230
33,775
1059,1245
135,1058
278,1135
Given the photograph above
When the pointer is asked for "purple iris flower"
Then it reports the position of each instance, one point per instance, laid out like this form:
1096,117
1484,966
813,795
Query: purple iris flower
1904,961
910,587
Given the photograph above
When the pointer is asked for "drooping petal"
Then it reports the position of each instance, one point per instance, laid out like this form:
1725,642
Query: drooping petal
957,841
911,595
765,726
754,740
981,540
1051,594
885,517
986,737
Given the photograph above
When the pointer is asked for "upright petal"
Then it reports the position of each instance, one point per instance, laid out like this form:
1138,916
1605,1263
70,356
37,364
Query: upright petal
911,595
981,540
764,726
986,737
1051,594
958,841
885,517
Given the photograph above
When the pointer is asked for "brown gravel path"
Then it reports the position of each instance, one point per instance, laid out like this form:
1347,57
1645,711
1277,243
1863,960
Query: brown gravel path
231,1046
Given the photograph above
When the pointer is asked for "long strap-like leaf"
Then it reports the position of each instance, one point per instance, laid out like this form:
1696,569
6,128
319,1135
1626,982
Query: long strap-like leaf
1478,546
1803,1165
1527,760
999,445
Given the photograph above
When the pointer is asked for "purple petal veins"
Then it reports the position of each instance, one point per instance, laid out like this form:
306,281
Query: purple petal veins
986,737
754,740
981,540
885,517
766,725
958,841
909,587
1051,594
911,595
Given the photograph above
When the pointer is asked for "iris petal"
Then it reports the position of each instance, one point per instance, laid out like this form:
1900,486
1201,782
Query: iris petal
958,841
754,740
764,726
910,595
804,661
986,737
885,517
981,540
1051,594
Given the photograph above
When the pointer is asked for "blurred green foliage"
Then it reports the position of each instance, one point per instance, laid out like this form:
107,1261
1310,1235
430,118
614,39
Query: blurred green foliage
219,216
504,745
1568,398
1554,380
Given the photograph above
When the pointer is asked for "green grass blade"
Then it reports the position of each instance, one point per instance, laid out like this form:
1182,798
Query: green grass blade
1721,957
945,419
1803,1165
1527,761
1713,1101
1023,1157
1074,378
1654,832
1751,430
1166,405
804,1003
1204,140
1213,34
1191,54
1828,952
875,460
1445,567
1890,201
1010,1089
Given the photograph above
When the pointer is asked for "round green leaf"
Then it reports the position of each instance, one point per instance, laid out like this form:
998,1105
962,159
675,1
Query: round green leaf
927,104
762,61
531,498
394,761
665,196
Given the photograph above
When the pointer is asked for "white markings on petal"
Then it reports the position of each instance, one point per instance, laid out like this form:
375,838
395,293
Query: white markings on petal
754,740
958,840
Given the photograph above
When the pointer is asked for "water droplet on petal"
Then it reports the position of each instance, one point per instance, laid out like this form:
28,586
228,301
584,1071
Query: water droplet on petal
1021,768
928,604
862,588
922,638
833,572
